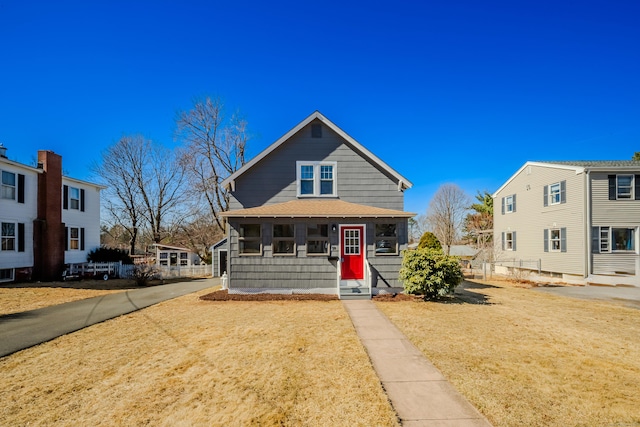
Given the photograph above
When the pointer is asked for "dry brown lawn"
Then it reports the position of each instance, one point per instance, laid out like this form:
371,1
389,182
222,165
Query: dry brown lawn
525,358
188,362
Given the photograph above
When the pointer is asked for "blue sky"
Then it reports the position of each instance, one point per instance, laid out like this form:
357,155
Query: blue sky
455,91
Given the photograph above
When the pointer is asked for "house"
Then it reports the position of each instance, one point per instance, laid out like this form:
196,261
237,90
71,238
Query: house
578,220
47,219
174,256
316,212
219,257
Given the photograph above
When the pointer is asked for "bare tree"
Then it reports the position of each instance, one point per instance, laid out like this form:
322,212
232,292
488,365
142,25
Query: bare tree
446,214
214,149
417,227
143,186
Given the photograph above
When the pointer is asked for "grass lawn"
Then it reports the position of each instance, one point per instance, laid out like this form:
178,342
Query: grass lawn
189,362
525,358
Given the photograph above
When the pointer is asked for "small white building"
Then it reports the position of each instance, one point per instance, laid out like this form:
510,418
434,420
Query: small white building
174,256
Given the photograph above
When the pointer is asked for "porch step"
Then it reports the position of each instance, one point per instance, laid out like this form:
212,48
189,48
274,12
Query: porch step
355,296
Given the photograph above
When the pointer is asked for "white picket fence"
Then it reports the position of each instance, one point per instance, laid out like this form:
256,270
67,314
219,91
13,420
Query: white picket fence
116,269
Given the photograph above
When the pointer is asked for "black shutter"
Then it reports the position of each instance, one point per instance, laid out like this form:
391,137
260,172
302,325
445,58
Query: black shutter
81,200
612,187
513,236
563,192
503,240
82,239
514,203
66,238
546,240
636,181
546,196
20,188
65,197
21,236
595,240
563,240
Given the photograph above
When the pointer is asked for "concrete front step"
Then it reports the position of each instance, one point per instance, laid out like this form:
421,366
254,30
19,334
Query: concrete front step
355,296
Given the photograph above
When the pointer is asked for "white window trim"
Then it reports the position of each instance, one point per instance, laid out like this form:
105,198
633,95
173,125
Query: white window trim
13,275
71,198
631,189
552,194
316,178
79,238
551,240
608,231
15,235
14,187
508,240
508,207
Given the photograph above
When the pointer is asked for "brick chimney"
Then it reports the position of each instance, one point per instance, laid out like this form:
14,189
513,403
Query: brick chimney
48,230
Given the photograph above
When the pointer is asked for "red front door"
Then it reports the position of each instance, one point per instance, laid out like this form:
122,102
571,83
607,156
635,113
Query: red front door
352,252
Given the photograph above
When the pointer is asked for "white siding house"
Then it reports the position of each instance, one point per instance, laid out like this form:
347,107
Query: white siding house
81,216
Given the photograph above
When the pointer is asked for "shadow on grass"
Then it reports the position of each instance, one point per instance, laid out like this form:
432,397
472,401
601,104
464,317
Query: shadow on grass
466,293
95,284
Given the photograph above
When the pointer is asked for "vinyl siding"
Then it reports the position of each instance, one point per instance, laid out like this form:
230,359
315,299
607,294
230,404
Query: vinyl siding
273,180
25,213
612,213
89,220
531,218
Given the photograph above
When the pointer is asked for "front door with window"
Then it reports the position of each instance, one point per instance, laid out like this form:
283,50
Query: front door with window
352,252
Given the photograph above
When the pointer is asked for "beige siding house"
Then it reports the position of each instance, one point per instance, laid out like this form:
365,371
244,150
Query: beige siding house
577,221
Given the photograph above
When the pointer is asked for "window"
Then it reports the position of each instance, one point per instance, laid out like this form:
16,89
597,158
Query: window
555,193
283,239
8,236
164,258
318,239
386,239
613,239
509,204
74,238
74,198
316,179
6,274
624,187
509,241
555,239
8,185
184,260
250,239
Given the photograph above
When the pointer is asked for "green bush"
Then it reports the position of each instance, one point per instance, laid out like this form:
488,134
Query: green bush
429,272
104,254
429,241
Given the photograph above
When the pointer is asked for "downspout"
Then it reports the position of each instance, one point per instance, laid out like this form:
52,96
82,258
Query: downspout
587,222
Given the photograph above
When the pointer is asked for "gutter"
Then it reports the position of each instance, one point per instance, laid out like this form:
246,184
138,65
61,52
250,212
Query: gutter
587,222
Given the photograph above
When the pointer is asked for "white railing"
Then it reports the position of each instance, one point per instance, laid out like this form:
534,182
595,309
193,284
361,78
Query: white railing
125,271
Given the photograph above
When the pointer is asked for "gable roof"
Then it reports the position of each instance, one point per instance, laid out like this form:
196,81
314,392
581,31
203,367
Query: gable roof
314,208
579,166
402,181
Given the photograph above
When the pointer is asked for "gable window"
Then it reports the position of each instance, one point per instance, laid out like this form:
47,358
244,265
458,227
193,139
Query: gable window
316,179
509,204
318,239
624,187
386,239
555,240
250,239
283,239
8,236
613,239
8,185
509,241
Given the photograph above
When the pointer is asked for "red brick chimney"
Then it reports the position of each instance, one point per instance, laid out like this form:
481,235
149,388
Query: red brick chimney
48,229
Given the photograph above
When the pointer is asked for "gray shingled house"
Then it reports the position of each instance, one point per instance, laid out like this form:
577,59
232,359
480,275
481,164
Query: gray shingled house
316,212
580,219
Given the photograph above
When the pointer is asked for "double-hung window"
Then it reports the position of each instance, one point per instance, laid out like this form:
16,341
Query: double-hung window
8,236
283,239
509,241
624,187
8,190
316,179
554,194
74,238
555,239
74,198
509,204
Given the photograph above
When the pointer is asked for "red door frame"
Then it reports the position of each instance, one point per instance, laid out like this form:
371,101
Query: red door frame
352,265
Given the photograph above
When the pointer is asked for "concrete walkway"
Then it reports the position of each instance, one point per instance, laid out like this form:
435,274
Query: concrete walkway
23,330
417,390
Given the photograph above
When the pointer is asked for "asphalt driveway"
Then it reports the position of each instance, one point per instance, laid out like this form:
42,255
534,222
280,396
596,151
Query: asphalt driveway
626,295
23,330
